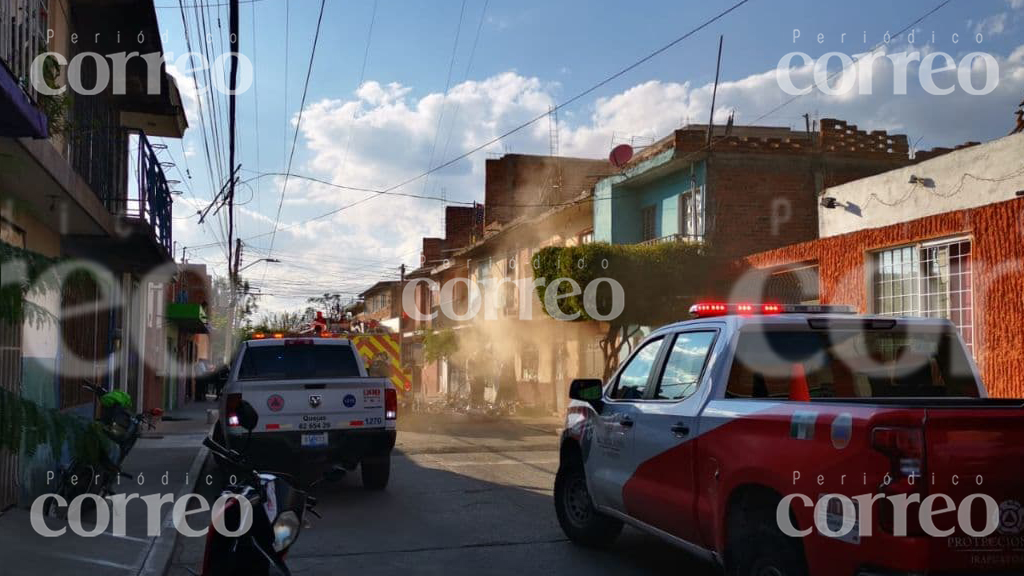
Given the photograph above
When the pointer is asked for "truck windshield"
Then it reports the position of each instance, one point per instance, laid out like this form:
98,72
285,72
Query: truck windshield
297,362
801,365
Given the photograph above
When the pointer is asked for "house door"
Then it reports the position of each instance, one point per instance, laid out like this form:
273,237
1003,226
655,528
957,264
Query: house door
10,382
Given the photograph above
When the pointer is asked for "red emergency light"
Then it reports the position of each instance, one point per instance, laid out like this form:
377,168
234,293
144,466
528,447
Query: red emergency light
710,309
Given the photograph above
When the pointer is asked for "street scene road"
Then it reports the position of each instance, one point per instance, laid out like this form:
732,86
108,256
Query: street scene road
391,287
467,496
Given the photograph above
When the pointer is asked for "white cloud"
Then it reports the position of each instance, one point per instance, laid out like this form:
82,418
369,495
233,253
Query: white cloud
993,25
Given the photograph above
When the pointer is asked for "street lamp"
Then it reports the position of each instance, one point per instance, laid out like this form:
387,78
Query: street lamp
269,260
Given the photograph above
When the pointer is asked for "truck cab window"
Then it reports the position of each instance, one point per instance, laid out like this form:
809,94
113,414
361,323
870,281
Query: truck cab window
684,365
632,381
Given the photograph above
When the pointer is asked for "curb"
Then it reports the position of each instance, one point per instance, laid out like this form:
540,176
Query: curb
158,559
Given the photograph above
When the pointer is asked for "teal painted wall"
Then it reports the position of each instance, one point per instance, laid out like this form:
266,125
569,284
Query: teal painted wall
618,204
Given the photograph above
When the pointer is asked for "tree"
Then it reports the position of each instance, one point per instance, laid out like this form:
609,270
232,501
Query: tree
220,315
659,282
280,322
329,304
439,345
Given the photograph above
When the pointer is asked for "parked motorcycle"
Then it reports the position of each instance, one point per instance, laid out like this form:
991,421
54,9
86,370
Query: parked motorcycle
123,429
278,509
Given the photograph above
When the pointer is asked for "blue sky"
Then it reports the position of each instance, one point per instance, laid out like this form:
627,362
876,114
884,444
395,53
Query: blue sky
529,55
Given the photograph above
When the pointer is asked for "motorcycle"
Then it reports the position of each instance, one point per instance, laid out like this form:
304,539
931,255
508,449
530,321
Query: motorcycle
123,429
278,509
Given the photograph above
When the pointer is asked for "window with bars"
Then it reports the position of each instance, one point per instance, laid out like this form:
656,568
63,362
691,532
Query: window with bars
648,228
931,279
691,213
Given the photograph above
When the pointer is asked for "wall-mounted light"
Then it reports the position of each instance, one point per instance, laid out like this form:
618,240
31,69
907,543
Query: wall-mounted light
829,202
914,179
1020,193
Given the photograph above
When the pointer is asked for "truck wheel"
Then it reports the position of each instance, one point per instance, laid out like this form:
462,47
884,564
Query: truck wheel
579,519
759,548
376,472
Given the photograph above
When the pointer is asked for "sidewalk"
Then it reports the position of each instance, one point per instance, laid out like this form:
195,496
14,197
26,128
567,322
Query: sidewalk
170,453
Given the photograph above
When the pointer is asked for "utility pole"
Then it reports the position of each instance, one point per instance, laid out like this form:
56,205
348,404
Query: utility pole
232,99
235,286
234,256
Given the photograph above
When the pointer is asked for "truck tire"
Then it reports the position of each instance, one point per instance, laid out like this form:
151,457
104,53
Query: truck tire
758,546
578,517
376,471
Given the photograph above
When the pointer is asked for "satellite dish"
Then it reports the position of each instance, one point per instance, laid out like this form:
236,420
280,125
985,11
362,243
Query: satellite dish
621,155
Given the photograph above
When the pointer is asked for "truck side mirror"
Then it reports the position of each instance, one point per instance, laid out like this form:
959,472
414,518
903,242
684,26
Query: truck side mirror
587,390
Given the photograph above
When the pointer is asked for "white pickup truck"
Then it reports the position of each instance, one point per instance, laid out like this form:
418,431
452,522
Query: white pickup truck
317,407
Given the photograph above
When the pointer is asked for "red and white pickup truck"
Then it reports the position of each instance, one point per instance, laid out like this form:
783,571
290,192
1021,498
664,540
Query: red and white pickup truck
723,433
317,407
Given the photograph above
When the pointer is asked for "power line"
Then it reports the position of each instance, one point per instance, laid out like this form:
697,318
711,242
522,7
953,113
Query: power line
362,76
298,125
938,7
204,124
465,77
256,98
533,120
444,98
691,154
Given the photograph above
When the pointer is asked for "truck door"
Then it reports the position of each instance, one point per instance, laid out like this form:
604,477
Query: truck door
663,491
611,460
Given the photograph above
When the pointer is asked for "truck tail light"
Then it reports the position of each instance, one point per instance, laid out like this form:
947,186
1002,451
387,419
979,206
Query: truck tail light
390,404
905,449
231,409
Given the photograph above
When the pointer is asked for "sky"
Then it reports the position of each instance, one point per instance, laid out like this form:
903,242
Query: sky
401,86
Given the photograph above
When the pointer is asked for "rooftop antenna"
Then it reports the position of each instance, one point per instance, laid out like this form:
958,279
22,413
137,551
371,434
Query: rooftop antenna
714,91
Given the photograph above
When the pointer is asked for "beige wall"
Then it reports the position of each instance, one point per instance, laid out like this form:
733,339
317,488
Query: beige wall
39,237
960,180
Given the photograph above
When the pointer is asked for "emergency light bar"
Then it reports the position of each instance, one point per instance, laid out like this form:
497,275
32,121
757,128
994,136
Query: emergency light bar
708,309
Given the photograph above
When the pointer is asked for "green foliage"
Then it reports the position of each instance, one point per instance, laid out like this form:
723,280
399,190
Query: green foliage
280,322
438,345
25,273
57,107
659,281
26,425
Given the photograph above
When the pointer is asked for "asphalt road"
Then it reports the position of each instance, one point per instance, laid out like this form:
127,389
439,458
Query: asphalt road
459,503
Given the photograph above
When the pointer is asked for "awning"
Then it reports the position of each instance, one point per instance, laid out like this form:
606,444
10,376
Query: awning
19,117
188,317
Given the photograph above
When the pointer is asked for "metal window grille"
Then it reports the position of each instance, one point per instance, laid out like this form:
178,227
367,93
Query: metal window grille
647,217
932,280
10,381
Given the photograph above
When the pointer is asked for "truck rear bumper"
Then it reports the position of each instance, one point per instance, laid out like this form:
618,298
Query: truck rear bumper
346,447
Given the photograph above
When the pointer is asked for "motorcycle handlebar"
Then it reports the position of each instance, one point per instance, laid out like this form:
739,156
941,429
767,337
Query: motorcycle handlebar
220,450
231,456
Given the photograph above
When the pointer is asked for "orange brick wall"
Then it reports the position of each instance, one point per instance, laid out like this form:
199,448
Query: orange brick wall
997,234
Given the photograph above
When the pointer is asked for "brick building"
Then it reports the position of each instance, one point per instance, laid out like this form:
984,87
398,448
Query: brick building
520,185
755,188
943,238
382,305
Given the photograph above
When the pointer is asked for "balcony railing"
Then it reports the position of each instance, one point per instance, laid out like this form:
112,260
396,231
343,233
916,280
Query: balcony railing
22,37
673,238
150,201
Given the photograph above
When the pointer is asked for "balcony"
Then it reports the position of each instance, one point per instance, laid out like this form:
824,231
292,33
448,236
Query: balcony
150,201
692,238
23,26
